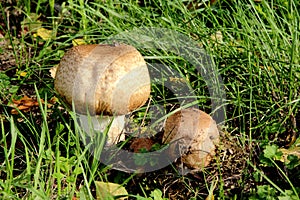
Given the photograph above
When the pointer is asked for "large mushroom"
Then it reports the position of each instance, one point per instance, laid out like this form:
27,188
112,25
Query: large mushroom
192,135
106,80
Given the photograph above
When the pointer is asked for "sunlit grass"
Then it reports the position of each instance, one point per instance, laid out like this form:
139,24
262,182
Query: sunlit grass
254,45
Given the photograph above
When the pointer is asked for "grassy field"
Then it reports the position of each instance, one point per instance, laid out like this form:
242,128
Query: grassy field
254,46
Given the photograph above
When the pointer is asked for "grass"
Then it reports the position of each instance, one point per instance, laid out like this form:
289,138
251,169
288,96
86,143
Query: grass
255,46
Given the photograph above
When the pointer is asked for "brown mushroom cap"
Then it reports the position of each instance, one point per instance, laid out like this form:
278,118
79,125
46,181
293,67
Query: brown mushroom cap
194,132
108,79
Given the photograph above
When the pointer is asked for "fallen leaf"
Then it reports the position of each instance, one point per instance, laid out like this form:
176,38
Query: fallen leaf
45,34
107,191
26,103
291,151
77,42
20,101
22,73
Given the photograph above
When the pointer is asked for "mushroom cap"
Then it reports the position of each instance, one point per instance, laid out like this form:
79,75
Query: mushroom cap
103,79
192,134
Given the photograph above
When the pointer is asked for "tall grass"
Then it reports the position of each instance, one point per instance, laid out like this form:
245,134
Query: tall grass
256,53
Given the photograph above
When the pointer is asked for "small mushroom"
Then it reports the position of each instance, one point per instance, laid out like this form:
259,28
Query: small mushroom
106,80
192,135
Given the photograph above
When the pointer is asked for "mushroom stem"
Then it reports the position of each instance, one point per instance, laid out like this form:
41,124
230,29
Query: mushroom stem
111,125
115,126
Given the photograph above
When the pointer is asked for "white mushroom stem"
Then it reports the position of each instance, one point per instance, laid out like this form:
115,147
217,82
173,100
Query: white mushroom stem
115,126
112,126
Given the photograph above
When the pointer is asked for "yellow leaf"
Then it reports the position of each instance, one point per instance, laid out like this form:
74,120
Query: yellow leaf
210,197
107,190
77,42
45,34
290,151
22,73
211,190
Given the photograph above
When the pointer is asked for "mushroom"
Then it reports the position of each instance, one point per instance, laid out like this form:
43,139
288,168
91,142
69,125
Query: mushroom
104,80
192,135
